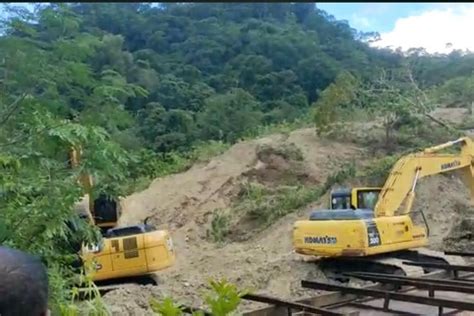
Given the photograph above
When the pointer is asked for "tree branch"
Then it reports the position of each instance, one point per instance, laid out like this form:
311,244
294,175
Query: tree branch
423,104
13,107
16,141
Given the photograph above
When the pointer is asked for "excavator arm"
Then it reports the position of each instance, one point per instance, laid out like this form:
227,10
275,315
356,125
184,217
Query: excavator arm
400,186
102,211
85,180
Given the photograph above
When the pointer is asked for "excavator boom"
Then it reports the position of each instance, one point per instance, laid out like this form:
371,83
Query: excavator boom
400,184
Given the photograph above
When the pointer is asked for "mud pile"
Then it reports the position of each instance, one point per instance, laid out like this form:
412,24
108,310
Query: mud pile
444,199
185,203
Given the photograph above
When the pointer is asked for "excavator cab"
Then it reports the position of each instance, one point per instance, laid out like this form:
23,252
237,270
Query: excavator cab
105,211
340,199
354,198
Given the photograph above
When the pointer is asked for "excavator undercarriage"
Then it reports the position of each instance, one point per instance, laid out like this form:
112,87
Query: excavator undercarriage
397,263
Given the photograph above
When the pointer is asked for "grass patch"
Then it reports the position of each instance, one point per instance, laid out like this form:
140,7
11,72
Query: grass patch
219,227
205,151
289,152
377,172
268,205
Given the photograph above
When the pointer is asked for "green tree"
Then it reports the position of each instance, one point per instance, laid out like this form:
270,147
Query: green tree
43,76
166,130
229,116
458,91
335,97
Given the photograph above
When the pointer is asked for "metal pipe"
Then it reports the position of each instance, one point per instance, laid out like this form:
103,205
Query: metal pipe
418,169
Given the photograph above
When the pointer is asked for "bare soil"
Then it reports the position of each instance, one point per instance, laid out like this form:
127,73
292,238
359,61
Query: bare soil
183,204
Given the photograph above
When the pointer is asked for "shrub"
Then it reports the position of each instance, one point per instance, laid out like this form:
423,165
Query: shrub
223,299
219,227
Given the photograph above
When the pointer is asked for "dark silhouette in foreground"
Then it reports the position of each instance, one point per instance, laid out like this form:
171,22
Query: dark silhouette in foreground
23,284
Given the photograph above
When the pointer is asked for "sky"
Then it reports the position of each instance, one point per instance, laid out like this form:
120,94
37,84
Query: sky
437,27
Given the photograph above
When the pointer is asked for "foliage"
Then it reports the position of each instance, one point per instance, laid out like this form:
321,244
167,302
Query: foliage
39,190
166,308
43,76
338,95
223,299
287,151
219,226
457,91
376,173
386,96
228,116
392,96
94,306
164,77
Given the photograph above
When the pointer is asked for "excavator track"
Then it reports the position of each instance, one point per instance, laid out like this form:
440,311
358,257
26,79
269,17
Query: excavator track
392,263
454,260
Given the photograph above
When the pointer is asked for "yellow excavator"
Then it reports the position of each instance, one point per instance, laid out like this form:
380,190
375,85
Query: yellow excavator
123,252
365,222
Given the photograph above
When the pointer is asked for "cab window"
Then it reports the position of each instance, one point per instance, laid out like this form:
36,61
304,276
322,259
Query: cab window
367,199
341,202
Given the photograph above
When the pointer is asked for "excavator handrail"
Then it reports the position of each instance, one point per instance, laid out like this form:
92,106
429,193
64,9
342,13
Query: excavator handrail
401,182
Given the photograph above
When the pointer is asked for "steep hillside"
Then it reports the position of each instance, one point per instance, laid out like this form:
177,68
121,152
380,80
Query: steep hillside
184,203
204,188
167,76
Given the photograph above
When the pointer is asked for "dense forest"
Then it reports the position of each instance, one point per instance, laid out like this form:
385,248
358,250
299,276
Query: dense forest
138,85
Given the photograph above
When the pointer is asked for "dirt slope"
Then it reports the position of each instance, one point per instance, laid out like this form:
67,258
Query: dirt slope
184,204
445,201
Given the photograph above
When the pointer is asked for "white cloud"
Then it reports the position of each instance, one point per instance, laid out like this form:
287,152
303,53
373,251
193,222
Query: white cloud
433,29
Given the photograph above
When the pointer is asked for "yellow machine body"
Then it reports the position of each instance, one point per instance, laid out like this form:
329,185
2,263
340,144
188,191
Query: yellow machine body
130,255
342,231
124,251
357,237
